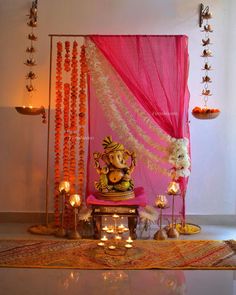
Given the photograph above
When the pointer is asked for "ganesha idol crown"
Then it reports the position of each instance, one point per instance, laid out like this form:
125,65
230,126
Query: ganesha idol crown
115,181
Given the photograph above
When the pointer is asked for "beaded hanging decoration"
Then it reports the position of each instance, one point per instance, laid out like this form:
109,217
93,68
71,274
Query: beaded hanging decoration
205,112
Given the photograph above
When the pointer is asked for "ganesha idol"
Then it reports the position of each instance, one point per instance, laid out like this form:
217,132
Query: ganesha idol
115,181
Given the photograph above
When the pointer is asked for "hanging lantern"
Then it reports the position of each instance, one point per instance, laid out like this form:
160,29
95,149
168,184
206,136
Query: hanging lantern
205,112
30,63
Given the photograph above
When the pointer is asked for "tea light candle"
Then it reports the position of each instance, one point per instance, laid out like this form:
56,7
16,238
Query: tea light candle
126,229
105,228
128,246
101,244
118,238
129,240
121,226
104,239
115,216
112,247
110,231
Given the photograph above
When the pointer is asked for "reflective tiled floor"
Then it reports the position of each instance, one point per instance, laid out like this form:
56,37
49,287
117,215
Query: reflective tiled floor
88,282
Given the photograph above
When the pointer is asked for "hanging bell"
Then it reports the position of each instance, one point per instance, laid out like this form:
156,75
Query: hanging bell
30,62
206,92
207,15
31,75
206,79
207,28
32,37
30,88
206,67
30,49
32,23
206,42
206,53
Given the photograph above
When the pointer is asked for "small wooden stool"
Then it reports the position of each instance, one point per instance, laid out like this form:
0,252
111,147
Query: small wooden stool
127,208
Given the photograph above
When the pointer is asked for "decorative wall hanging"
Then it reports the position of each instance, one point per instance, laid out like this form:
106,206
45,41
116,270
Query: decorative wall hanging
205,112
30,64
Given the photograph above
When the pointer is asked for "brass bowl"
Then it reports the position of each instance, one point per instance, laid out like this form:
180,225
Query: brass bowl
30,110
205,116
115,196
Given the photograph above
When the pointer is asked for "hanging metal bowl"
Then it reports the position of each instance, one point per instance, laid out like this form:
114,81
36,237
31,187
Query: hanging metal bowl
30,110
205,116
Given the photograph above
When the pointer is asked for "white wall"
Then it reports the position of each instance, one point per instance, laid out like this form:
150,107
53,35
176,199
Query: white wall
211,187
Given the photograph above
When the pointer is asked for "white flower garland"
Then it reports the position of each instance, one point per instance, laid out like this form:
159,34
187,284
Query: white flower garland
177,151
179,157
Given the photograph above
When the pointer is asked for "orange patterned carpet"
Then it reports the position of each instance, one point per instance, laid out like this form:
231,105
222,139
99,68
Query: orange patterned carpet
85,254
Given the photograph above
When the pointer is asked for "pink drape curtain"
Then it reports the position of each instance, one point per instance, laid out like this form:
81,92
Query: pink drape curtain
155,70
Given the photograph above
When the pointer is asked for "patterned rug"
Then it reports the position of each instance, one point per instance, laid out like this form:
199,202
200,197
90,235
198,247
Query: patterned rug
85,254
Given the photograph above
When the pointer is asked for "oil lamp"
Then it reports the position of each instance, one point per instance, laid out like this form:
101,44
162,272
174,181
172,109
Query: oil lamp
64,188
161,203
173,189
75,201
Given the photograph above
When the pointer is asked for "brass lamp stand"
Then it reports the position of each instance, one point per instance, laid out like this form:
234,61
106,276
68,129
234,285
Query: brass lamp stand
161,203
173,190
64,188
75,202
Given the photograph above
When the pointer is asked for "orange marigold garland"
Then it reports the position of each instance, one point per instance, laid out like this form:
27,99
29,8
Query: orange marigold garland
73,124
82,118
67,57
66,149
66,101
58,126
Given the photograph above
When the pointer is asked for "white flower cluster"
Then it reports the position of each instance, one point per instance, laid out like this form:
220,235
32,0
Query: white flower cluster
179,157
85,214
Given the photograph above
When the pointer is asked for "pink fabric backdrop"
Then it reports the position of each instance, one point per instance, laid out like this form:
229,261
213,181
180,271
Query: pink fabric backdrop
155,70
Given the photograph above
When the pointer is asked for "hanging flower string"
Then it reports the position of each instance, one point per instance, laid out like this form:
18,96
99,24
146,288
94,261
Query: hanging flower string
205,112
66,146
67,57
58,127
82,118
73,123
66,132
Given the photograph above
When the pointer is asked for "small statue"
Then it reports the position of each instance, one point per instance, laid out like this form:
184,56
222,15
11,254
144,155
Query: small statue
115,181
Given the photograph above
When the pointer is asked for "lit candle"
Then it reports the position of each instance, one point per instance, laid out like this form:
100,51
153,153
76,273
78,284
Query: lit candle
30,106
110,231
118,238
112,247
104,239
115,216
121,226
129,240
101,244
161,201
128,246
105,228
126,229
173,188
